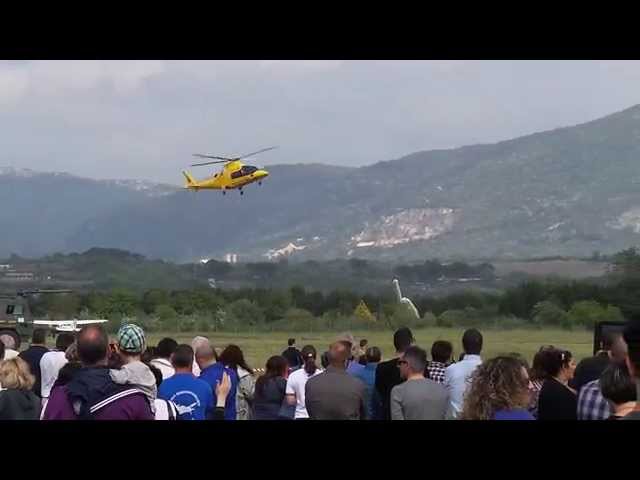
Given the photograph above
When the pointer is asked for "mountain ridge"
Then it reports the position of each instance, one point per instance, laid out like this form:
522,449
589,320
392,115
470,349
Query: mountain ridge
565,191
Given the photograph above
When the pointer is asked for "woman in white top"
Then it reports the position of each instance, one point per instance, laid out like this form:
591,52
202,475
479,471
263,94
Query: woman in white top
298,380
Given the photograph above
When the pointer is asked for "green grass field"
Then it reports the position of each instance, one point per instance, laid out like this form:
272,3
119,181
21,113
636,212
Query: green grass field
259,347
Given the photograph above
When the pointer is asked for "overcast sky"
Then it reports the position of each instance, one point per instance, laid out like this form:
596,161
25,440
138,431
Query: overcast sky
144,119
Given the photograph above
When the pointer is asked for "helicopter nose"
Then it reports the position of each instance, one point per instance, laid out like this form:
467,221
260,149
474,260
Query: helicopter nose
262,173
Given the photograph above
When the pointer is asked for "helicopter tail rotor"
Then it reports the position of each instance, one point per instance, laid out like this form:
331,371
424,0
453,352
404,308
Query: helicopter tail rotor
190,180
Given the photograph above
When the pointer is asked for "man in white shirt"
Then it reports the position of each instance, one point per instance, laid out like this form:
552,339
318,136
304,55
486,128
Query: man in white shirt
456,376
51,363
162,362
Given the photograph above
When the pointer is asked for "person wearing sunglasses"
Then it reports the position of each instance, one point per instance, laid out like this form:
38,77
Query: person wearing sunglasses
418,398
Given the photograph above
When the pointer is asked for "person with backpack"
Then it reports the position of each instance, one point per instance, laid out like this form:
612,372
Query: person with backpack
164,409
91,394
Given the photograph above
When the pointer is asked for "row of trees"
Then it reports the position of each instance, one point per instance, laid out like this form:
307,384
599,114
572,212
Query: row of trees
567,305
533,303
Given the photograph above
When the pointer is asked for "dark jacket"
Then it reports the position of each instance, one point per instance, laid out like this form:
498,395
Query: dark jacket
293,357
66,373
19,405
32,356
589,369
92,394
268,399
557,402
387,377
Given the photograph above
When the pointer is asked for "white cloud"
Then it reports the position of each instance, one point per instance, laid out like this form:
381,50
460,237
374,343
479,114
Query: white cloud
53,78
302,65
13,84
145,118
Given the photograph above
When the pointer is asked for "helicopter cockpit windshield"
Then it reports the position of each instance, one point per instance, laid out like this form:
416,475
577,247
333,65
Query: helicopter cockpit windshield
245,170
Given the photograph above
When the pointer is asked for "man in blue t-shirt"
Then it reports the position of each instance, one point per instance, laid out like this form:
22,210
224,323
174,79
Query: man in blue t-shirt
193,397
211,373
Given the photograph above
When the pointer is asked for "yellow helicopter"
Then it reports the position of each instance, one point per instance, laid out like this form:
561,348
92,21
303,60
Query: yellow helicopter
233,175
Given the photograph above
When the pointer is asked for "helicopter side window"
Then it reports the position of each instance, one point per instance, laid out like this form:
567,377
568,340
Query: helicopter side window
237,173
10,309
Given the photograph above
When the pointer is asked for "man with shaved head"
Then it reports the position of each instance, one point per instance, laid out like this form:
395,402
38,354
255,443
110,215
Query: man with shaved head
193,397
211,371
335,395
92,394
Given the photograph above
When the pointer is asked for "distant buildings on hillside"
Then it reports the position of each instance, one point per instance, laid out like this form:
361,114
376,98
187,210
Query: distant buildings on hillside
231,258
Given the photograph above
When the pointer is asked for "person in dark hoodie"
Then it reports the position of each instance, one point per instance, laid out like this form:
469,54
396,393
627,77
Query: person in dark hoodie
91,394
17,400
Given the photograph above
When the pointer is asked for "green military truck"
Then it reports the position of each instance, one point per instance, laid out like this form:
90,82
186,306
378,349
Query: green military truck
16,319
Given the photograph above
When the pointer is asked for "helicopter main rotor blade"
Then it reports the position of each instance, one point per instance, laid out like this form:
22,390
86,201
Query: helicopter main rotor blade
209,163
199,155
226,159
255,153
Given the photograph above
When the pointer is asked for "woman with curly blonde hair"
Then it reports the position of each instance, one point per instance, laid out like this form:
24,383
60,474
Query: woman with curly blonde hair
499,390
17,401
